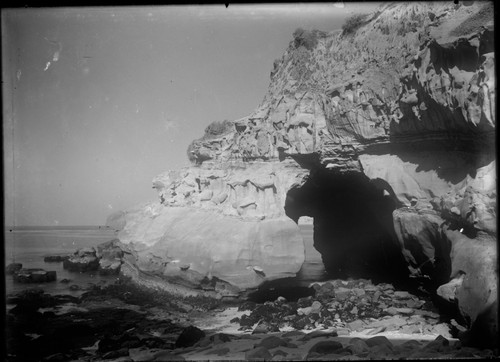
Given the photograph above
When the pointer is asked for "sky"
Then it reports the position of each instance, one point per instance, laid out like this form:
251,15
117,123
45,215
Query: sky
98,101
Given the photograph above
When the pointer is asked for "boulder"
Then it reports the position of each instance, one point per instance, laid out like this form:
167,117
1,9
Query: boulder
110,254
189,336
34,276
81,264
13,268
379,340
265,327
272,342
83,260
475,282
257,354
358,346
55,258
109,267
325,347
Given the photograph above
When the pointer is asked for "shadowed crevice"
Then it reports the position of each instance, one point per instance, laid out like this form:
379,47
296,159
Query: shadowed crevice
353,227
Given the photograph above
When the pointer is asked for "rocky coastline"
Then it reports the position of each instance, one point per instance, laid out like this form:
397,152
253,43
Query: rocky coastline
382,135
126,322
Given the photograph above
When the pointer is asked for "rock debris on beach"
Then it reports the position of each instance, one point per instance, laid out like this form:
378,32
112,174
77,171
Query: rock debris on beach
123,323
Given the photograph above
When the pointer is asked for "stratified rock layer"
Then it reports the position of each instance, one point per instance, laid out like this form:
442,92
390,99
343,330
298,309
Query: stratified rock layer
404,103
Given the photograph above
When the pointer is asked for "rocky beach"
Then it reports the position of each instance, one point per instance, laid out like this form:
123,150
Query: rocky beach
338,320
379,136
119,320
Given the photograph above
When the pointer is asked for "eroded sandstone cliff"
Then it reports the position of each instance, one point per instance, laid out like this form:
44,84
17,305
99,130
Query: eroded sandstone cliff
382,132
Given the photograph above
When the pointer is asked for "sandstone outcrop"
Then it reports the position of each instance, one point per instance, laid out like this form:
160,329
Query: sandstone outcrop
106,258
382,132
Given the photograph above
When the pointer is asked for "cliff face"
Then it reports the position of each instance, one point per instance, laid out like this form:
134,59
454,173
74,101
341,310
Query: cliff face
383,133
411,72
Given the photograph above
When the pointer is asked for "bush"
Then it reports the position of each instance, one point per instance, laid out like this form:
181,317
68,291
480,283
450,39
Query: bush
353,23
305,38
217,128
213,130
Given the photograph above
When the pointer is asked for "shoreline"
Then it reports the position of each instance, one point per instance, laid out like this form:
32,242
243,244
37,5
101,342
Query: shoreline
151,324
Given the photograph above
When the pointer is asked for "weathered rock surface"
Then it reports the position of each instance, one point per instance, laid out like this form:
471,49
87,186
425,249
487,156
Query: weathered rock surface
83,260
106,258
197,247
124,322
34,275
13,268
405,101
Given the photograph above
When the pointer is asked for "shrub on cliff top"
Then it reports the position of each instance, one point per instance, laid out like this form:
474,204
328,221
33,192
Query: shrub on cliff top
305,38
217,128
213,130
353,23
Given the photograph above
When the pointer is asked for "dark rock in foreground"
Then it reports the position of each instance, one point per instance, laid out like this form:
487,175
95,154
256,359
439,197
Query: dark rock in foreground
105,258
110,256
103,327
34,276
55,258
83,260
189,337
13,268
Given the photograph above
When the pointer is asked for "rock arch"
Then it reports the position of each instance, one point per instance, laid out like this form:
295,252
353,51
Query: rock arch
353,228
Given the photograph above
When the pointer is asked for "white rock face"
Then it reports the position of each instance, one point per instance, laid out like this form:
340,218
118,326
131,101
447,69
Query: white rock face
213,245
252,191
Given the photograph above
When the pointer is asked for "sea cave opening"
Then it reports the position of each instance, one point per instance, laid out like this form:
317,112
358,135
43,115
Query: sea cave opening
347,226
352,225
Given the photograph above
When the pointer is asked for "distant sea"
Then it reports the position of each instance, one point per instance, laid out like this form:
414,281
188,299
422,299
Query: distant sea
29,245
313,269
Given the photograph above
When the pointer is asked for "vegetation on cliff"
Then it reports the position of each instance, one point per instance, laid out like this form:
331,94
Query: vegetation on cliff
213,130
353,23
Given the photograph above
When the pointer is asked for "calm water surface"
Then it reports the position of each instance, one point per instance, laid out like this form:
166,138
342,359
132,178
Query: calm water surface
313,269
29,246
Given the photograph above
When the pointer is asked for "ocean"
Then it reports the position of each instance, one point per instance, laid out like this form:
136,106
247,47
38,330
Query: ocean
313,269
29,246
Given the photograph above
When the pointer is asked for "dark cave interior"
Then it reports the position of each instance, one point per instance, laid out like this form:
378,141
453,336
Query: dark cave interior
353,227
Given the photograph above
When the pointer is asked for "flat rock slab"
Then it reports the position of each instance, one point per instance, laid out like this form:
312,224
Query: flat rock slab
34,276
